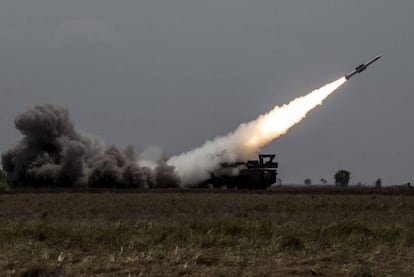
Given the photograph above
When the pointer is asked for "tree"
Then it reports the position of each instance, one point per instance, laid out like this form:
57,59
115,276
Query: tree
308,181
342,178
378,183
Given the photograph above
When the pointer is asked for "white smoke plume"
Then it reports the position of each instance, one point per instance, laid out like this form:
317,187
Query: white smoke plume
196,165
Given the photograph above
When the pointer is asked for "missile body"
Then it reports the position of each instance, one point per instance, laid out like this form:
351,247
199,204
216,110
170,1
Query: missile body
362,67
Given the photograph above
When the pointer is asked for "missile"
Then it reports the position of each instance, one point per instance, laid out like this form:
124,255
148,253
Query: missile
362,67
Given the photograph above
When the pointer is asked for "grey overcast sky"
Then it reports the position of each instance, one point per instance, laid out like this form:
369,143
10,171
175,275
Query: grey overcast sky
175,73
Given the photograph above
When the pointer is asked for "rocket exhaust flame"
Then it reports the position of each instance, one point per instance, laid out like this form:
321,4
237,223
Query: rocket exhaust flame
195,166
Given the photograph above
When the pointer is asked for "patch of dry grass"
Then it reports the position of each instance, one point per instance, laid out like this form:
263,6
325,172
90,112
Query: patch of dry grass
227,234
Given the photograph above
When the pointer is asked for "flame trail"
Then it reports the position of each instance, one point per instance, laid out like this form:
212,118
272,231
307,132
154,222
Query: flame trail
195,166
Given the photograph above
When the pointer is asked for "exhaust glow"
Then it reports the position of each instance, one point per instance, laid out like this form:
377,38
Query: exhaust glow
279,120
195,166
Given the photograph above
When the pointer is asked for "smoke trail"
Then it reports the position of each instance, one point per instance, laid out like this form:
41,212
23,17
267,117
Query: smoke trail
196,165
52,152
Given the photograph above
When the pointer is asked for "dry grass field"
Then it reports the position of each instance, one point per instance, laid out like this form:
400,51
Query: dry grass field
199,234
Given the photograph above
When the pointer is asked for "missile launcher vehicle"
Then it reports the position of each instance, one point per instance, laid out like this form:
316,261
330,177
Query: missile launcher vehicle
253,174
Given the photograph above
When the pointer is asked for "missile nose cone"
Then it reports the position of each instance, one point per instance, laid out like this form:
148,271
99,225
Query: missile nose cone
378,57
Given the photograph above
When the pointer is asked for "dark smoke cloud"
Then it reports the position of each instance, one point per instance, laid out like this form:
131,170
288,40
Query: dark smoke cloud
52,152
